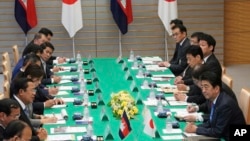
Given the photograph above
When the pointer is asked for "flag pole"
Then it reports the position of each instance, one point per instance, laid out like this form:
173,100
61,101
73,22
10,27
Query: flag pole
26,40
73,43
120,44
166,45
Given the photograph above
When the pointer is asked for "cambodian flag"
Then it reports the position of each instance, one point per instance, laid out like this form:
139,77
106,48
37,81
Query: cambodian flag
25,14
122,13
125,127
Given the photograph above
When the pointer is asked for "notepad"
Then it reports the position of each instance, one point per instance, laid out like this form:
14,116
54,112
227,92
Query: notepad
164,75
61,137
173,131
177,103
172,137
69,99
67,129
59,106
64,81
62,93
61,88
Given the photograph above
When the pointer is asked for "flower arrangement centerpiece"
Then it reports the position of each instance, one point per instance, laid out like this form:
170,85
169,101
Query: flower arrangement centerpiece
123,101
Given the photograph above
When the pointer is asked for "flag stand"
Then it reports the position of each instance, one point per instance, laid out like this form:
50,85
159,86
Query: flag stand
120,44
166,45
73,43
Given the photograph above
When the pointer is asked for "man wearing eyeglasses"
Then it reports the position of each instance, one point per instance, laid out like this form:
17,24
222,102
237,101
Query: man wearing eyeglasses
9,111
179,62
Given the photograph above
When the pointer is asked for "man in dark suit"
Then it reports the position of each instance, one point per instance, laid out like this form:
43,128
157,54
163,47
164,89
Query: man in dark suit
48,78
207,44
38,40
53,59
9,111
24,90
179,62
224,109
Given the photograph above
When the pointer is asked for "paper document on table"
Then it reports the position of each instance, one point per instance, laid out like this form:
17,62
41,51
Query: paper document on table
59,106
183,114
155,68
153,58
163,75
59,117
61,137
150,102
66,67
67,129
194,136
64,81
68,77
170,98
177,103
172,137
68,99
159,79
166,86
61,88
61,93
178,110
173,131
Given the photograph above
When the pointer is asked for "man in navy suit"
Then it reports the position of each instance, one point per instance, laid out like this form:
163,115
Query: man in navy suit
224,109
179,62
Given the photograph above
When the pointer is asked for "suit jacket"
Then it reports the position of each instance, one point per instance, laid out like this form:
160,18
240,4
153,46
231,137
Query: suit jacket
195,95
187,78
179,60
17,68
226,113
205,107
213,65
1,132
26,119
47,75
27,49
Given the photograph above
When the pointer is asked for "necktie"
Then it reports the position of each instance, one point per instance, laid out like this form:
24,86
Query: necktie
26,110
212,112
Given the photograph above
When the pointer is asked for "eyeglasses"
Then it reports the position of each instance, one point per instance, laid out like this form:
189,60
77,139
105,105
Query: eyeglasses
176,34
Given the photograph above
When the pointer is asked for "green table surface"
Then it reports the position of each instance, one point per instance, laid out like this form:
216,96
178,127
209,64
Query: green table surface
112,79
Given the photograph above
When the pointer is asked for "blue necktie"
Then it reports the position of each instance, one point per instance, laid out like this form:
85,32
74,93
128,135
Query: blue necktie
26,110
212,112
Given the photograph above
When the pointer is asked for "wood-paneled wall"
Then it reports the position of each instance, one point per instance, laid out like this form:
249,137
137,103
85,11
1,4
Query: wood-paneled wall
237,32
99,36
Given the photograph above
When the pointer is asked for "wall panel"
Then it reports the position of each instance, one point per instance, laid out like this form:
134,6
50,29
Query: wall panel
99,36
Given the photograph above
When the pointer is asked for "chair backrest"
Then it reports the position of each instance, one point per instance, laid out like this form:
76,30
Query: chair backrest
6,58
2,96
6,76
16,53
6,72
6,89
244,103
227,80
223,69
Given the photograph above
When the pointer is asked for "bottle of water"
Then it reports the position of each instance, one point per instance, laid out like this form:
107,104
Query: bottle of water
131,56
81,74
86,113
78,57
152,94
169,125
79,67
85,98
82,86
89,130
159,106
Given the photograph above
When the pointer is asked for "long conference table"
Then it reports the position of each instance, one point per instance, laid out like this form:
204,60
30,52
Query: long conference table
111,77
